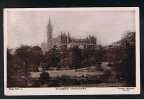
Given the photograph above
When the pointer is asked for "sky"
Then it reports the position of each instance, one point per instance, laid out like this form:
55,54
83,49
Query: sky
30,27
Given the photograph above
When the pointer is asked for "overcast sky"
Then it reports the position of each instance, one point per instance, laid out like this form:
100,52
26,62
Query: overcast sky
29,27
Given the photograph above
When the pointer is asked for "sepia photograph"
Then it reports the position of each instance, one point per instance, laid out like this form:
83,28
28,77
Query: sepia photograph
71,51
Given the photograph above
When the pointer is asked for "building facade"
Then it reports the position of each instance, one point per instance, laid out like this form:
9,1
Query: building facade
64,40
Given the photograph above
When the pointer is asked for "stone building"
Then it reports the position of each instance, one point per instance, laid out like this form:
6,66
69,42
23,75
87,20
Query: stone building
64,40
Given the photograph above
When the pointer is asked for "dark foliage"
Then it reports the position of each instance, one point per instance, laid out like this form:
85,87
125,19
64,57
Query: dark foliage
123,59
76,57
120,57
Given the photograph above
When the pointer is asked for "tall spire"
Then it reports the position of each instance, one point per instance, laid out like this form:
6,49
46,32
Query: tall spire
49,34
50,29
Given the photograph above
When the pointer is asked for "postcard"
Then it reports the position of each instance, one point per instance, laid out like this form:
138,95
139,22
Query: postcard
71,51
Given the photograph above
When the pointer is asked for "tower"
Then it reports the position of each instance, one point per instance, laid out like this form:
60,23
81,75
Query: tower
49,35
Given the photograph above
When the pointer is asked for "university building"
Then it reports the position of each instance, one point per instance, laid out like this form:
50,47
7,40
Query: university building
65,40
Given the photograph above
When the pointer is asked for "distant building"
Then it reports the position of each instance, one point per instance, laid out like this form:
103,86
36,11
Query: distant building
65,40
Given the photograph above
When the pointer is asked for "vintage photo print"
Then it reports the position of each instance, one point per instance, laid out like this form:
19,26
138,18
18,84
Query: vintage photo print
71,51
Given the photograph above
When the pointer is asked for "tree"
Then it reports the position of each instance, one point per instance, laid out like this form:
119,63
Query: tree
10,70
128,58
24,53
92,56
124,59
76,57
52,57
15,70
36,55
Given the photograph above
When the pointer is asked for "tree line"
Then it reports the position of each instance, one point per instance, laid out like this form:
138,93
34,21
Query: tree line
26,59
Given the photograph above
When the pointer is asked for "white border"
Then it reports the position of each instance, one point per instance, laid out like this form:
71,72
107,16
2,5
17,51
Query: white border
70,91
